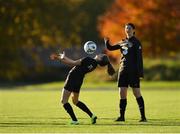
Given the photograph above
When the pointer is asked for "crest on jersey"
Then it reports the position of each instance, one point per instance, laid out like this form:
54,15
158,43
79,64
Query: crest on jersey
125,49
130,44
90,67
125,52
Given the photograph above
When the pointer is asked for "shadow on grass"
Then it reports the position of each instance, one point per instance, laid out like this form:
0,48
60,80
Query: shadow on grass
130,122
150,122
30,124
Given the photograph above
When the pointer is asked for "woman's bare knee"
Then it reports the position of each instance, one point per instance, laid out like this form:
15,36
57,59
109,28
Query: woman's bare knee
75,98
75,101
63,101
136,92
65,96
123,92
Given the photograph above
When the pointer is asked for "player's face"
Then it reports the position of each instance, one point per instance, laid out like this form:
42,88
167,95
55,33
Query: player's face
129,30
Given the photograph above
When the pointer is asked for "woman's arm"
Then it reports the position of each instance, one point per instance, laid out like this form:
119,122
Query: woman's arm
109,47
65,59
139,59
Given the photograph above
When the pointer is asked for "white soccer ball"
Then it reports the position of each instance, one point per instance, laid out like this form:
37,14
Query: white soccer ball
90,47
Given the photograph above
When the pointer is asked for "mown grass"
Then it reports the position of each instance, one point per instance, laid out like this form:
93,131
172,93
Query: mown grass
100,85
35,108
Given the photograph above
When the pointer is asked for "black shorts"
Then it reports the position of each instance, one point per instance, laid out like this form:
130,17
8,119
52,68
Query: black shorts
128,79
73,83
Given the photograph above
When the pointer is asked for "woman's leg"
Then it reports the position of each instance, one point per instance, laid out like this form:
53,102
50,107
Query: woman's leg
123,92
65,96
64,100
140,101
136,92
83,107
75,98
122,103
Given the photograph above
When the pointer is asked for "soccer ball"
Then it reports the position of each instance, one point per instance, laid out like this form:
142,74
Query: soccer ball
90,47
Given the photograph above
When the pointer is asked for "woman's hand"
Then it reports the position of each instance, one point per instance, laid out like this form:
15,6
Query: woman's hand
59,56
106,39
53,56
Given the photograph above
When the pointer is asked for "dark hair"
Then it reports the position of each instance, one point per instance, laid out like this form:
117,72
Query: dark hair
105,61
131,24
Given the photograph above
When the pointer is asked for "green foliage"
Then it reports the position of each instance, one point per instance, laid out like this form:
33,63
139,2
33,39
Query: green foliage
162,72
37,111
27,25
154,70
162,69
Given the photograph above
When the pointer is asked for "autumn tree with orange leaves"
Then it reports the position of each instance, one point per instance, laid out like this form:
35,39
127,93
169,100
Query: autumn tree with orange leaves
157,24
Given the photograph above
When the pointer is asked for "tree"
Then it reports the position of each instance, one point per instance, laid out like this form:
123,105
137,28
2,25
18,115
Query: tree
29,25
157,23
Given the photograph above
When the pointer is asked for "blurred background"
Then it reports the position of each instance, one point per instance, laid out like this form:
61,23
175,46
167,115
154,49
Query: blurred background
32,29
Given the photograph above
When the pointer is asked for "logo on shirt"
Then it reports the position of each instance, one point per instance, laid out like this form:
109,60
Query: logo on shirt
125,50
130,44
90,67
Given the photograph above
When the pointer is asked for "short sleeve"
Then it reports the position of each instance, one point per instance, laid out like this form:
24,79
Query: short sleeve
85,61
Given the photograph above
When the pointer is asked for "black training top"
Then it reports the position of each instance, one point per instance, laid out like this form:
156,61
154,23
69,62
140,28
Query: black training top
87,65
131,50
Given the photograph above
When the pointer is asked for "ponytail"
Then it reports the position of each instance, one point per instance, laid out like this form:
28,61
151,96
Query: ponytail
105,62
110,69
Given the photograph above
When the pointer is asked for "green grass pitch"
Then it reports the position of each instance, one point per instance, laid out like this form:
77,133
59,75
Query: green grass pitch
36,108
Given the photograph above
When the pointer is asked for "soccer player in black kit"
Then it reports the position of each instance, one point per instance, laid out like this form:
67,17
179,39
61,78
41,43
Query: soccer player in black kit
75,78
130,71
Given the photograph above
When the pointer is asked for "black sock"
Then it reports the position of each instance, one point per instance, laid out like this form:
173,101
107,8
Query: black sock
140,102
83,107
122,106
70,111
